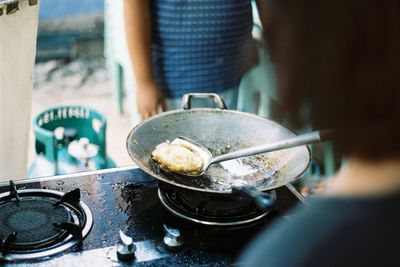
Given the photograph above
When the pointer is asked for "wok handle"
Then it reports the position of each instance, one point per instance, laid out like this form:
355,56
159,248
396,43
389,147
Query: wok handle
263,200
299,140
187,100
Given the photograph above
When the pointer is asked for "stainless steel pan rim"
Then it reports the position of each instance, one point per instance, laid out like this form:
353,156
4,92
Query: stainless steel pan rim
151,130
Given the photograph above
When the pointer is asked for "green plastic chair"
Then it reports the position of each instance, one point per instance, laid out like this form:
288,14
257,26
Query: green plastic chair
257,88
258,95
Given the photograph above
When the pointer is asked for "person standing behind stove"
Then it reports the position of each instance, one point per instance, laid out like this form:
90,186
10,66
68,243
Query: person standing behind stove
341,59
187,46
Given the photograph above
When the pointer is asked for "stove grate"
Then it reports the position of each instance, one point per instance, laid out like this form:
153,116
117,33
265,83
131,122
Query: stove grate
32,219
185,206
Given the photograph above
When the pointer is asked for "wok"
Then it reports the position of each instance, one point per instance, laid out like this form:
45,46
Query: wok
221,131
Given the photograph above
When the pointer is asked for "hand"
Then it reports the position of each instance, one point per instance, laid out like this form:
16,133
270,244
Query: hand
150,100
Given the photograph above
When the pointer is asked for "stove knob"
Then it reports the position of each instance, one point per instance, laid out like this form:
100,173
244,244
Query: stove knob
125,248
172,239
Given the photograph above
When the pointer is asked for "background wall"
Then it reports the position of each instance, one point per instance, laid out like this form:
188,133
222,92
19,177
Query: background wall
61,8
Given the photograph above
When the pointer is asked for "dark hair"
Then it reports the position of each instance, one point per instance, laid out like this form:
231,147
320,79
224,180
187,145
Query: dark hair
341,60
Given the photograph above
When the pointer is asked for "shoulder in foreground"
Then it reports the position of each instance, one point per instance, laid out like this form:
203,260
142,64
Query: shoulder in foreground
329,232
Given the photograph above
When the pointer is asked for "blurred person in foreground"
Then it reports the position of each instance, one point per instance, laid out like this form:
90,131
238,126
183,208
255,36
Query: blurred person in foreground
187,46
340,61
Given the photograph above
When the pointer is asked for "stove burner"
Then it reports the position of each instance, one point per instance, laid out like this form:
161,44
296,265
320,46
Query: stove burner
33,220
199,211
38,223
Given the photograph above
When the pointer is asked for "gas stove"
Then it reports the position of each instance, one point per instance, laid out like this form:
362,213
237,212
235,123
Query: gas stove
119,217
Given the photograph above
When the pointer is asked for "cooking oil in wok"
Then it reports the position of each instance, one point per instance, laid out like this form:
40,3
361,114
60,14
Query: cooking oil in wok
260,170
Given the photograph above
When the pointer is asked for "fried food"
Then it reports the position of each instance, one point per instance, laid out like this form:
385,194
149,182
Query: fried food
177,158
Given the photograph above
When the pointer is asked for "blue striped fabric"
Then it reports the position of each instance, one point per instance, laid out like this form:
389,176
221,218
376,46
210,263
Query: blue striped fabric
198,45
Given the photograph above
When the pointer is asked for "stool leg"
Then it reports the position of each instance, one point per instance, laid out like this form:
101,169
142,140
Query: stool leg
329,159
119,84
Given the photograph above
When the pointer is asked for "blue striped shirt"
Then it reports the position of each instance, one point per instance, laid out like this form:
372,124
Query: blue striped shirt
198,45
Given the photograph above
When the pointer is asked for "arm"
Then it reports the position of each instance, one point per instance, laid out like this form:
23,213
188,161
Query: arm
138,34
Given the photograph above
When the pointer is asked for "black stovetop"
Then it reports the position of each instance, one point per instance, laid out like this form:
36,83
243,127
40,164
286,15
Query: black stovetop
126,199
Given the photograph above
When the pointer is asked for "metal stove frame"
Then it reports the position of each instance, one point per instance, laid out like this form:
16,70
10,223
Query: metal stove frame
68,242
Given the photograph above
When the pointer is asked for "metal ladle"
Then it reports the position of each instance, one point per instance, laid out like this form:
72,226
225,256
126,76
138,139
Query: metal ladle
208,159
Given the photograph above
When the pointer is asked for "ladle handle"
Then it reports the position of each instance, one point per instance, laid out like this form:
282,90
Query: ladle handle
298,140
